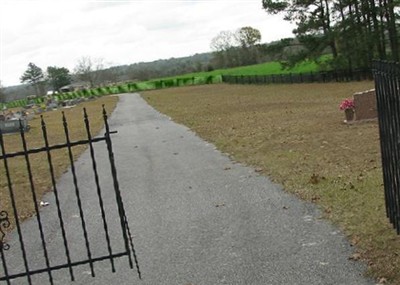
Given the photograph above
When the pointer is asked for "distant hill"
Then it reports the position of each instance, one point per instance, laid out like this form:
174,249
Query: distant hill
133,72
142,71
18,92
165,67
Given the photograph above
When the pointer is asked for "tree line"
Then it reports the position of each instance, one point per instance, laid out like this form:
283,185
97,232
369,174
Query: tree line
354,31
87,70
230,49
93,72
236,48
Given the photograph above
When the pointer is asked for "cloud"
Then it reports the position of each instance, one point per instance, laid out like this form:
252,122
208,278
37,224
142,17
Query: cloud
57,33
100,5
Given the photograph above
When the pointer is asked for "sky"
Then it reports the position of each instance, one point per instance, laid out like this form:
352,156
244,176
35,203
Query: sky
59,32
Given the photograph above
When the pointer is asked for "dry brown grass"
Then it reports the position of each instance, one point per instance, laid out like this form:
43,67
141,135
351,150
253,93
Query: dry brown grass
39,164
295,133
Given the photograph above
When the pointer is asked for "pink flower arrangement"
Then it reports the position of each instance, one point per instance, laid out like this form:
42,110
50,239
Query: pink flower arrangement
347,104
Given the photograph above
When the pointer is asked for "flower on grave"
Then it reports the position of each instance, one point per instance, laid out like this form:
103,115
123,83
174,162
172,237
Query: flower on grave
347,104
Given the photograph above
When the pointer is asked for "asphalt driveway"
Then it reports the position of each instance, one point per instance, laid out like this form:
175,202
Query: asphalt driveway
196,216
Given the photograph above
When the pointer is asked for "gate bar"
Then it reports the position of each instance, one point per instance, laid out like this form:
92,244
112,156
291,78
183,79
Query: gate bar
395,156
5,268
58,267
34,199
54,147
4,223
393,90
123,220
98,188
386,154
15,211
387,85
78,196
53,181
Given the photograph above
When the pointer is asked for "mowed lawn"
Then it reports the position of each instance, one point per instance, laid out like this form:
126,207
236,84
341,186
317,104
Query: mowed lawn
39,163
295,135
267,68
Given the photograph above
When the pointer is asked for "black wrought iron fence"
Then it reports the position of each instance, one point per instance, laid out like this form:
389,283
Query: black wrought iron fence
308,77
387,85
116,237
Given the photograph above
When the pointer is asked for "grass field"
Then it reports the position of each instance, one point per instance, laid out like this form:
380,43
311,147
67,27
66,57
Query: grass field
42,179
258,69
295,134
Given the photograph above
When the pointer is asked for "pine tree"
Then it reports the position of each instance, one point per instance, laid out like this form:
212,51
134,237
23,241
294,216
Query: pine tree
34,76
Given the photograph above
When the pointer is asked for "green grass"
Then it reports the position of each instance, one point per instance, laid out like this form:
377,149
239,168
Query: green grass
267,68
271,68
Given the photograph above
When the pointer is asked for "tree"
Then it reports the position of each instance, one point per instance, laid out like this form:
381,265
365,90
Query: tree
109,75
313,19
392,27
34,76
223,45
371,30
58,77
87,69
355,31
2,94
248,37
224,41
236,48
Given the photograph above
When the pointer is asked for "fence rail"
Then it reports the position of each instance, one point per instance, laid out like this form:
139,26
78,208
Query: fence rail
309,77
387,85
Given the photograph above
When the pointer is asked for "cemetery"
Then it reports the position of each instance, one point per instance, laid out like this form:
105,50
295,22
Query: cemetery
10,121
361,107
10,118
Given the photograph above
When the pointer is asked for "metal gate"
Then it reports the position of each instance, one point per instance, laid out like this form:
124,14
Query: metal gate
387,85
69,246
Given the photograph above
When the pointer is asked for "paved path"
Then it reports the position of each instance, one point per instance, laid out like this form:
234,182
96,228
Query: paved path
197,217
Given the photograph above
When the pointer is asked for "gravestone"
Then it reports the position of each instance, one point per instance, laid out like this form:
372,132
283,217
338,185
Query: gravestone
12,126
365,105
